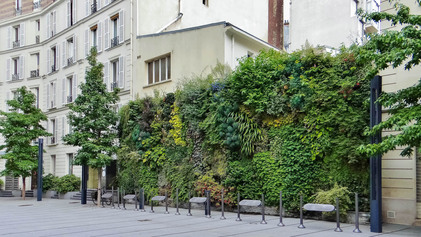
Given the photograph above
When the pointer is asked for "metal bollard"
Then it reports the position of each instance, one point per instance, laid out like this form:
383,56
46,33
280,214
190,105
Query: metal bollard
166,203
338,225
123,192
280,210
238,208
263,210
357,216
189,213
301,226
135,201
101,199
208,204
222,205
176,203
142,199
151,211
118,198
112,196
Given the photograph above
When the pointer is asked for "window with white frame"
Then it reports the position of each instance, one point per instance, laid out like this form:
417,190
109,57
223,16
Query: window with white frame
37,4
16,36
159,69
53,165
52,128
35,91
35,62
71,12
53,59
51,24
69,89
14,68
114,30
70,159
18,7
51,94
114,73
69,54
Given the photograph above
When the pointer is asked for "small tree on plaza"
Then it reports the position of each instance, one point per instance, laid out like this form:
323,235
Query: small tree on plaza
20,127
93,120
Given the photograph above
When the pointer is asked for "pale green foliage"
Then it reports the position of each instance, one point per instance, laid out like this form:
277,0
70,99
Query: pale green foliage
93,119
329,197
20,127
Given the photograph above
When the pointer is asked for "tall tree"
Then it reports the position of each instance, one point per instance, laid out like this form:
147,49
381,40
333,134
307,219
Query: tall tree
20,127
394,48
93,120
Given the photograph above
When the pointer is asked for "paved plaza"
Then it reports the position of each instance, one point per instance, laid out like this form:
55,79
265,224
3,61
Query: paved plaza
52,217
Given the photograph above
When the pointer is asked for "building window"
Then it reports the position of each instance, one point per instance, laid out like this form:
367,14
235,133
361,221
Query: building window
114,74
53,131
37,4
159,70
114,37
94,6
70,12
35,90
15,72
70,160
94,36
69,91
53,164
116,28
35,60
18,6
51,95
54,59
205,2
71,50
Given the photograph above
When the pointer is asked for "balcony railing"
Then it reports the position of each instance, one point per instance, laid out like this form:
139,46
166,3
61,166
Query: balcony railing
53,68
93,8
70,61
15,77
37,39
113,85
37,5
69,99
52,140
35,73
16,43
18,11
53,105
114,41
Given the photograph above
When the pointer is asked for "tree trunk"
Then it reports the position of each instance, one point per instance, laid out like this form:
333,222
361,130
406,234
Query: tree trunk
99,186
23,188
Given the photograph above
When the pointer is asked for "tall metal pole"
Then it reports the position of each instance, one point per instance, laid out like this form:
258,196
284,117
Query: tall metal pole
84,184
375,161
39,173
280,210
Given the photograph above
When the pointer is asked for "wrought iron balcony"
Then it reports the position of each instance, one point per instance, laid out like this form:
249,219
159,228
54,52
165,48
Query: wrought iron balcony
16,43
35,73
53,140
114,41
114,85
69,99
70,61
15,77
37,5
37,39
93,8
18,11
53,68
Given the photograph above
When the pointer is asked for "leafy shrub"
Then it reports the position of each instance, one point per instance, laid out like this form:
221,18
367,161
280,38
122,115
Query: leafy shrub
329,197
49,182
1,183
67,183
206,182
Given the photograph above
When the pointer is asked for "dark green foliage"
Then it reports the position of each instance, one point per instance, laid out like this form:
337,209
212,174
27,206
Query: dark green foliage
49,182
67,183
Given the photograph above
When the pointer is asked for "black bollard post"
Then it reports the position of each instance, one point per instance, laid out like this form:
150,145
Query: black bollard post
357,216
118,198
189,213
208,204
135,201
123,193
166,203
176,203
151,211
222,205
301,226
280,210
338,225
238,207
102,200
263,210
39,173
142,200
112,197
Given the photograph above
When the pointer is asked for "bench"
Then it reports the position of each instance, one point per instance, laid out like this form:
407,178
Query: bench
160,199
320,208
201,200
129,197
107,198
251,203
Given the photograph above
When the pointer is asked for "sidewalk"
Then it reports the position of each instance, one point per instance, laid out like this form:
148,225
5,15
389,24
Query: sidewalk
52,217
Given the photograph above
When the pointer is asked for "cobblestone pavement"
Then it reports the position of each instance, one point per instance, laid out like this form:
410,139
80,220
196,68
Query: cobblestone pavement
52,217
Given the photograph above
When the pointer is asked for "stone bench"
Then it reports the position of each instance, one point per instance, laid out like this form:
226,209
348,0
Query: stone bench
160,199
320,208
251,203
129,197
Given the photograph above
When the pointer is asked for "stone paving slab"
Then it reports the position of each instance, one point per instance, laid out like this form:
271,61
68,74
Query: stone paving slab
52,217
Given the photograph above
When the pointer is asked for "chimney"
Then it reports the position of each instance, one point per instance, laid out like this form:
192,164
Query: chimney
275,23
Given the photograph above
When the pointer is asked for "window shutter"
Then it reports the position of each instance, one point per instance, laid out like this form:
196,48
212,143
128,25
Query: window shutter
54,94
106,71
74,11
121,72
48,96
7,99
8,73
63,55
48,130
87,8
68,13
48,60
21,64
86,42
58,56
99,35
48,25
9,37
74,91
98,3
54,22
107,33
22,34
74,49
121,21
56,132
63,92
62,128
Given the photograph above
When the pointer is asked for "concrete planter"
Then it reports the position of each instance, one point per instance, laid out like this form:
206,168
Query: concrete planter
364,218
49,194
67,195
17,193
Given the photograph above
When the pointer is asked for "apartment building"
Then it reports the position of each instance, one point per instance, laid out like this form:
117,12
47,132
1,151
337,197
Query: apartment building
45,44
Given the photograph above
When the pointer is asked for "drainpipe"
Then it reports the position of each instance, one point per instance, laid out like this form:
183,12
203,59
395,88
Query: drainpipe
180,14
